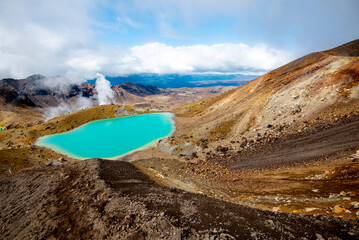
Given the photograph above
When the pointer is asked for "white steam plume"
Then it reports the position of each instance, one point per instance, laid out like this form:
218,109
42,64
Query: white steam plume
63,108
60,83
105,94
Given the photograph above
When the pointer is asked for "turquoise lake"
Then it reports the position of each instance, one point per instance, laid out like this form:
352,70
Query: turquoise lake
111,138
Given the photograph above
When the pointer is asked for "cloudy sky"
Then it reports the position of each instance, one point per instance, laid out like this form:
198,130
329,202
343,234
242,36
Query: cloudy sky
80,38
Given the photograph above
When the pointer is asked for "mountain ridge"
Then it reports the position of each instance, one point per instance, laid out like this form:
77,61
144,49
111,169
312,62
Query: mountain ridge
302,88
34,93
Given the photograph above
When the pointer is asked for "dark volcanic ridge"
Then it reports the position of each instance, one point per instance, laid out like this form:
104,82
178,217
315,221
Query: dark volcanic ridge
101,199
37,91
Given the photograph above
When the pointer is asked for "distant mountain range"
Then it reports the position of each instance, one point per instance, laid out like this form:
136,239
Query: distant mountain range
35,91
179,81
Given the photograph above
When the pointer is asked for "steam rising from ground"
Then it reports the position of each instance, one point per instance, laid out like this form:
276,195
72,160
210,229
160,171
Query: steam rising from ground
63,107
60,83
105,94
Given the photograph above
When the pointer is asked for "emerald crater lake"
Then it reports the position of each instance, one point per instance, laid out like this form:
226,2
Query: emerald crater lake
112,138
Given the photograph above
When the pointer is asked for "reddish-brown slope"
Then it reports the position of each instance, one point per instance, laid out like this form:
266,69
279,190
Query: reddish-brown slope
298,91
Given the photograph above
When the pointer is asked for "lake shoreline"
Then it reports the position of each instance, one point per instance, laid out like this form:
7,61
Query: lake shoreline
165,118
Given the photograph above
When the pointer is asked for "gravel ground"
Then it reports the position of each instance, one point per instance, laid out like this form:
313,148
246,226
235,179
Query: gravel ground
101,199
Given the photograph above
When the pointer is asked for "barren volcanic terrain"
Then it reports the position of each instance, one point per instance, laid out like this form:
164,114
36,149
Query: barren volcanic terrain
276,158
286,141
102,199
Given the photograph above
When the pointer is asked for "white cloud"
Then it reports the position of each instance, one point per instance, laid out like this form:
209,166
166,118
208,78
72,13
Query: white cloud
38,37
161,58
148,58
53,37
57,37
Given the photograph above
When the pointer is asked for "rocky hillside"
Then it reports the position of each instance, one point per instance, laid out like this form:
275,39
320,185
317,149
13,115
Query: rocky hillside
27,92
36,91
319,86
139,89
